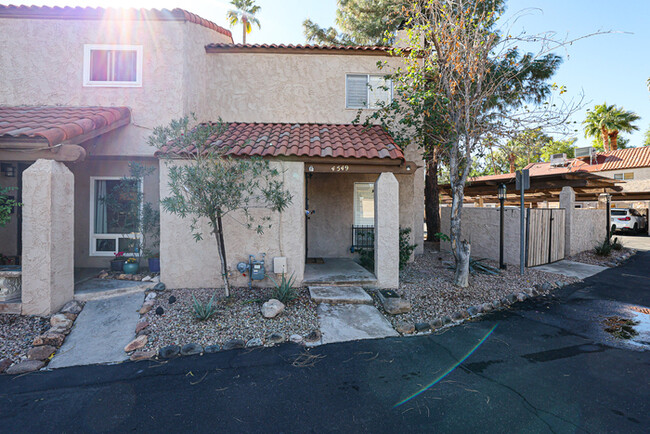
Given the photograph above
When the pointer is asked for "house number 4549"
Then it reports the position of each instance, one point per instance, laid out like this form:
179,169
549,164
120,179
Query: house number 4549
340,168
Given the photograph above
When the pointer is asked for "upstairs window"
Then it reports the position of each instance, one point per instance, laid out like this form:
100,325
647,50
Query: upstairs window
113,65
366,91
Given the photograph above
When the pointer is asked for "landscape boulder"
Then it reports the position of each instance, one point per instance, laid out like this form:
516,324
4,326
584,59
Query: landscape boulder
72,307
405,328
60,321
169,352
42,352
136,343
25,366
142,355
191,349
234,343
272,308
396,305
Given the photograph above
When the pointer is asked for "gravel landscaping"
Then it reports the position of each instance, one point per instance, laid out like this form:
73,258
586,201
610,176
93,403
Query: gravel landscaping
427,285
17,334
590,257
239,317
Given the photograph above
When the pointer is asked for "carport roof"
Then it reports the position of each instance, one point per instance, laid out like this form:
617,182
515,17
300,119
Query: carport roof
59,125
303,140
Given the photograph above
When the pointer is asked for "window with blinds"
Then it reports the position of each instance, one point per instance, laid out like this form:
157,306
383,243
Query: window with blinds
367,91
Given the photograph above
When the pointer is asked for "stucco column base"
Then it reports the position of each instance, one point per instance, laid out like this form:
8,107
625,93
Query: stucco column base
48,237
387,231
568,203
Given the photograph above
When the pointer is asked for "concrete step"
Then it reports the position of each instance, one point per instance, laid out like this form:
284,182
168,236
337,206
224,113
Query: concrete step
11,306
351,322
339,295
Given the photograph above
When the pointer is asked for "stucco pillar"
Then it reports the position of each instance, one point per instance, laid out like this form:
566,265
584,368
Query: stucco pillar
48,237
568,203
387,231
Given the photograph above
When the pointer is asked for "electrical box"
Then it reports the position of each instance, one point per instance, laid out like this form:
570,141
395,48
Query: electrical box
280,265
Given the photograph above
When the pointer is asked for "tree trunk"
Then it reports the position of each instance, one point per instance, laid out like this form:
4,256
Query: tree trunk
613,140
218,233
432,198
511,159
460,249
244,30
605,135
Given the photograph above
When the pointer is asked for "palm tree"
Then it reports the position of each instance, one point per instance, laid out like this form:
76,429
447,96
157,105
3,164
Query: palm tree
245,14
605,122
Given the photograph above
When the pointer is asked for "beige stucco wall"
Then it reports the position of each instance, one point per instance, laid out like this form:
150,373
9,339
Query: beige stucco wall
588,228
480,226
186,263
42,64
102,167
639,173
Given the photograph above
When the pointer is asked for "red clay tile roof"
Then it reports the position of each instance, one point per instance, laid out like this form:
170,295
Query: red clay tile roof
305,140
304,49
58,124
89,13
627,158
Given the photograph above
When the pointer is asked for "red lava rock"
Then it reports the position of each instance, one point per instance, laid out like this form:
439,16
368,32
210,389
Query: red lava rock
136,343
141,326
54,339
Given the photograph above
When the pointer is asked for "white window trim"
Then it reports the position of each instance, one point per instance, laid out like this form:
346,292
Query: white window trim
355,203
86,71
92,235
367,90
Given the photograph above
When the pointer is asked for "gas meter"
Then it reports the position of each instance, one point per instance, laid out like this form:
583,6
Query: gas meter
255,268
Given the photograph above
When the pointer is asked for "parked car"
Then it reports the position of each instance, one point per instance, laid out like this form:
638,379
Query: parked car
627,219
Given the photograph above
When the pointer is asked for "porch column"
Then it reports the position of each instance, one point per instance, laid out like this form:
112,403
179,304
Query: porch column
387,231
568,203
48,237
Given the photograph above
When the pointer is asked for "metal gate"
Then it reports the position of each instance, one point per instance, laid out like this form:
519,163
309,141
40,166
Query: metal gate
545,236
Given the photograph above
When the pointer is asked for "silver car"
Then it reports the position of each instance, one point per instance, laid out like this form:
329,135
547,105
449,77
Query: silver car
627,219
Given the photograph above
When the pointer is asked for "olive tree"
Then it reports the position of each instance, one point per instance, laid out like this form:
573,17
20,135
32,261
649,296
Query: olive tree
209,183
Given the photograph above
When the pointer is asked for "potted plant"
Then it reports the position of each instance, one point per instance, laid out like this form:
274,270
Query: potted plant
131,266
154,262
117,263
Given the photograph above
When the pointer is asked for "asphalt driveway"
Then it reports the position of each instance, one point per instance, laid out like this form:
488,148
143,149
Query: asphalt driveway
546,366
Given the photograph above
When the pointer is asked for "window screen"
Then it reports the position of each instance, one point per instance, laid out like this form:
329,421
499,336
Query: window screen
367,91
364,204
356,91
113,65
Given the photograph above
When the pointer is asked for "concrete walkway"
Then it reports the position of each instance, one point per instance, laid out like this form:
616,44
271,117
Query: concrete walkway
101,331
571,269
95,289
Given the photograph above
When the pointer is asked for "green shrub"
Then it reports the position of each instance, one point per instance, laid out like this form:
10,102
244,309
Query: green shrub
603,249
284,291
203,311
616,244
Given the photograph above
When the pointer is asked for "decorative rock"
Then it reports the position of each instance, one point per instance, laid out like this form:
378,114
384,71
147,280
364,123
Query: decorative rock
136,343
512,298
70,316
473,311
396,306
275,338
405,328
158,286
437,323
59,330
143,355
486,307
146,331
141,325
546,286
4,364
529,292
191,349
169,352
255,342
42,352
146,279
54,339
559,284
59,320
72,307
172,299
422,326
234,343
123,277
313,336
457,316
160,310
521,297
212,349
150,296
496,304
146,307
26,366
102,275
445,320
296,339
272,308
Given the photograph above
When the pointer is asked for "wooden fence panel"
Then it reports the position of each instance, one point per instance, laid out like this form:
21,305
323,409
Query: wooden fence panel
545,236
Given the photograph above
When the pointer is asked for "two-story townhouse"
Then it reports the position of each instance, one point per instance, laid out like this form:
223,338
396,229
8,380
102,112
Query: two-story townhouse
84,87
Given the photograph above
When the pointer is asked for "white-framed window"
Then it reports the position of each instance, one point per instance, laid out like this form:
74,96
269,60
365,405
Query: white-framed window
111,230
626,175
112,65
367,91
364,203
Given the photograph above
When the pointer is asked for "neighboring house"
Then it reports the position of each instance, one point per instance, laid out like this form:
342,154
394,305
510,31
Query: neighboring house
84,87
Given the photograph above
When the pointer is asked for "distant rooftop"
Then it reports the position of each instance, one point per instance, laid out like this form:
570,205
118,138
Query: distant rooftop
291,48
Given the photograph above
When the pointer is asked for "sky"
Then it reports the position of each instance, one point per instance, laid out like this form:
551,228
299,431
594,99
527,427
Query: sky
610,68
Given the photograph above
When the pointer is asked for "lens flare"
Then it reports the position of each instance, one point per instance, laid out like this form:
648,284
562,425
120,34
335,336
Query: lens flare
448,371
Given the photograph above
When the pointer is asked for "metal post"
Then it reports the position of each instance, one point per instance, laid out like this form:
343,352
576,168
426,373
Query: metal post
501,219
522,232
609,222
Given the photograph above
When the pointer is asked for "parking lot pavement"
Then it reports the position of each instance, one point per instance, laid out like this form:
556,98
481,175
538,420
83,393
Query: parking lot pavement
638,242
